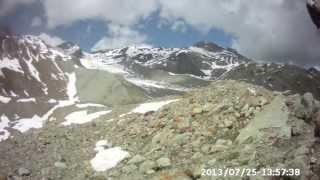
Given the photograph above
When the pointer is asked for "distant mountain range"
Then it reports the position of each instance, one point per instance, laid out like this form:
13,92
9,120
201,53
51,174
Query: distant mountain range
37,79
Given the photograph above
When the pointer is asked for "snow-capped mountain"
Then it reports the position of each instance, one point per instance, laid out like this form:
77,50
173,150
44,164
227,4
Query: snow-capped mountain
30,68
182,68
71,49
204,60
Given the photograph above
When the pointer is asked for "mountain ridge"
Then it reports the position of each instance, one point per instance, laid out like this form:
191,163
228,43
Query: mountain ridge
169,104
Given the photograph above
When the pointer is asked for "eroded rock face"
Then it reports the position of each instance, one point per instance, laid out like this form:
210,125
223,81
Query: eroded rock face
272,121
313,7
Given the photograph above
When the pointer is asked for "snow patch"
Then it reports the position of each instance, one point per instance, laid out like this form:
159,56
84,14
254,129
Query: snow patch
51,101
110,66
4,123
153,106
4,99
27,100
33,71
81,117
12,64
89,105
154,84
252,91
107,158
71,87
23,125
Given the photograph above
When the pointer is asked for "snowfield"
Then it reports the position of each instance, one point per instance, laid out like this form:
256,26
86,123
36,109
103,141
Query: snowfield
107,158
153,106
27,100
81,117
5,100
89,105
144,83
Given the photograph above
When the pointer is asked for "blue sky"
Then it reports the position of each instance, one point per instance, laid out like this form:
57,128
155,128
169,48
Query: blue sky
273,30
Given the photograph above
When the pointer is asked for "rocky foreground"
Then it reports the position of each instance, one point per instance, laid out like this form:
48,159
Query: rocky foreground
227,124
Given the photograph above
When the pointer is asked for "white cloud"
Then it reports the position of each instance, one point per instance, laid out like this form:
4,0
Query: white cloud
36,21
7,6
120,36
179,26
51,40
278,30
122,12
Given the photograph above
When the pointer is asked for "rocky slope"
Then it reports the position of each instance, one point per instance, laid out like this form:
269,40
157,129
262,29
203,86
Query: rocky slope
227,124
37,80
278,77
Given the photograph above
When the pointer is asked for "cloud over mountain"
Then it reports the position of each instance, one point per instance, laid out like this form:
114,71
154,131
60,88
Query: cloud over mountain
273,30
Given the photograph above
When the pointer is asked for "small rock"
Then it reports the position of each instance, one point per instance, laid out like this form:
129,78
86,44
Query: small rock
263,101
197,155
196,144
218,148
147,166
316,120
162,137
61,165
301,112
316,117
223,142
258,109
164,162
197,171
313,160
245,108
207,108
182,123
229,110
96,177
136,159
129,169
24,172
151,171
220,108
212,162
14,178
308,100
182,138
206,148
197,110
317,104
301,151
227,123
237,115
298,127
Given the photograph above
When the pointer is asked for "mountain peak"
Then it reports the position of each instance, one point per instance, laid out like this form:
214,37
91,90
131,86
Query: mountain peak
71,49
67,45
210,46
